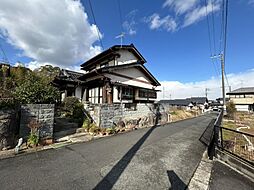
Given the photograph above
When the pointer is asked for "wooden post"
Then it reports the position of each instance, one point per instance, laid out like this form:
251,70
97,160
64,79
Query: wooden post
104,94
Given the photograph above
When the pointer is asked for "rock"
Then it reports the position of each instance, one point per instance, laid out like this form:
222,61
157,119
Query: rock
4,128
3,143
121,124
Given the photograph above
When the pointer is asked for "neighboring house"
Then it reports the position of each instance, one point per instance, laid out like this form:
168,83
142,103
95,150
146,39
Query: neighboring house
243,98
220,100
215,104
178,103
117,75
188,103
201,102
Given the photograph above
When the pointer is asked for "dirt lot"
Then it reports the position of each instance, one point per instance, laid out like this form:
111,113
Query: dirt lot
241,120
235,142
180,114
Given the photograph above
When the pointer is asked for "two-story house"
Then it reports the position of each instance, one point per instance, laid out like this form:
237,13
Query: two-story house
243,98
117,75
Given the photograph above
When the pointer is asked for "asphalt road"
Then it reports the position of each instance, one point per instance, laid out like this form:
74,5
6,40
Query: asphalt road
162,157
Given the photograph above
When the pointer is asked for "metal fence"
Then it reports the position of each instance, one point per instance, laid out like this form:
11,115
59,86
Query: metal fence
238,143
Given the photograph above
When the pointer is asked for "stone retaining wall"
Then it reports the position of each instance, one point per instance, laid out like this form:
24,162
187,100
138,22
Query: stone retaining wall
142,114
43,113
8,128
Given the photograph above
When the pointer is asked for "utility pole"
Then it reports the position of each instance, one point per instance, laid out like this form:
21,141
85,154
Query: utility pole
229,88
222,81
206,90
221,56
163,92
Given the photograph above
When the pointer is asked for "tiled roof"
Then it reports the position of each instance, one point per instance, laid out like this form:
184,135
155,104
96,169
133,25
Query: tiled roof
111,69
198,100
69,75
246,90
176,102
112,52
185,102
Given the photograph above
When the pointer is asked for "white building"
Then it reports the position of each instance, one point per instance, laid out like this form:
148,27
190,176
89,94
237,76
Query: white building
243,98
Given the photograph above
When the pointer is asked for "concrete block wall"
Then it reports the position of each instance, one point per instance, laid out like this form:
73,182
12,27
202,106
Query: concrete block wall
43,113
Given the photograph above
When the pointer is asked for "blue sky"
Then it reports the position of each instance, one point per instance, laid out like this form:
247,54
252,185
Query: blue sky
171,34
183,54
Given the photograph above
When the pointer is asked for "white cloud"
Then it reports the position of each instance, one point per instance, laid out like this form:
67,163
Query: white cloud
180,6
199,13
50,32
156,22
187,12
251,2
176,89
130,23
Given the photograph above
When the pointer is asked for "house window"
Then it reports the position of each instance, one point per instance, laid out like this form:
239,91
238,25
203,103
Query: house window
152,94
127,93
95,95
142,93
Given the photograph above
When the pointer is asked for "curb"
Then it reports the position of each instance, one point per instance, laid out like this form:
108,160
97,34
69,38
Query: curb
201,177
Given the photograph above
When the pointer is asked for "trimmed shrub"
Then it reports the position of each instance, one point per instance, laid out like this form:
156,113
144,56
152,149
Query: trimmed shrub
70,103
74,109
231,109
78,113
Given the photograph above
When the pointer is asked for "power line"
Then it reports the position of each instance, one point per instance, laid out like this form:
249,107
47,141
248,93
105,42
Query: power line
214,33
120,14
208,27
225,35
213,27
5,59
97,29
225,29
209,38
222,26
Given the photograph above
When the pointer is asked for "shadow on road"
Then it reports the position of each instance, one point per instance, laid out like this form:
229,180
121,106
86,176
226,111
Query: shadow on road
175,181
111,178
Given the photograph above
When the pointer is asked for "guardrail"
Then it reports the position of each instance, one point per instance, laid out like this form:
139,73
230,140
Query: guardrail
235,142
214,136
238,143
